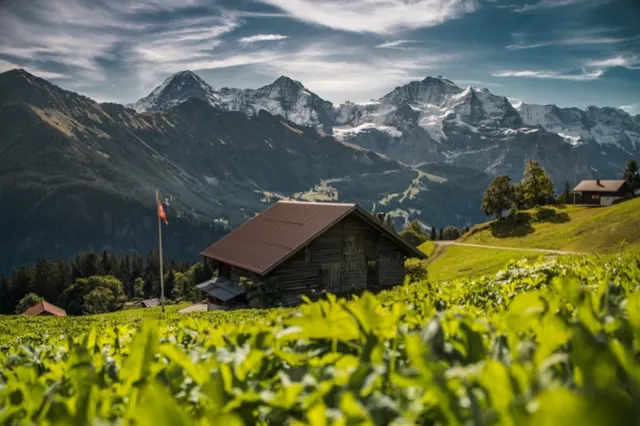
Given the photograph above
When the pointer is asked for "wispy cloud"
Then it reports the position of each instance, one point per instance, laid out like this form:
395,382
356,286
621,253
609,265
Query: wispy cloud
573,41
630,62
6,66
379,16
395,44
590,70
262,37
554,4
547,74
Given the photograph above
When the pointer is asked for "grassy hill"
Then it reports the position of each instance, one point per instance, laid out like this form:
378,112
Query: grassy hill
569,228
566,228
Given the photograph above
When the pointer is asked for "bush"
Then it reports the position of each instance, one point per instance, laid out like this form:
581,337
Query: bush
414,234
416,270
27,301
451,233
411,237
97,294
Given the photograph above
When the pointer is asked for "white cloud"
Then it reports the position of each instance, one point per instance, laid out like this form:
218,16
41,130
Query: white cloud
395,44
340,75
262,37
575,41
631,62
631,109
6,66
545,74
552,4
590,70
374,16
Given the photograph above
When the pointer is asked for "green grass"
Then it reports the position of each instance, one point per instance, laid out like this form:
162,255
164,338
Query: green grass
427,247
553,343
573,228
459,262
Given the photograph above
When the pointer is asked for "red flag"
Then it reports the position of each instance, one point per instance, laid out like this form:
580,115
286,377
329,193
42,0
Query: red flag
161,214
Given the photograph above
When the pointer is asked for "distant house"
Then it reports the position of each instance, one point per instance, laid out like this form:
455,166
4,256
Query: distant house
603,192
306,248
149,303
45,309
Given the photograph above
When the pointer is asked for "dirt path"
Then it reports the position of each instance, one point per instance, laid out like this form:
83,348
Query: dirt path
437,253
453,243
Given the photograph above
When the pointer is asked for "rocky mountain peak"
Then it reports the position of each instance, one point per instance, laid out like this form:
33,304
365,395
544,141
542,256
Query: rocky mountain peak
431,90
284,81
176,89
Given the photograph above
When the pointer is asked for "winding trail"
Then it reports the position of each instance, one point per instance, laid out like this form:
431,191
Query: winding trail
443,244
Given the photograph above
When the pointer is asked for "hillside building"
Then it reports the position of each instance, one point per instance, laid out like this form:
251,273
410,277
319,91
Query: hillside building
296,249
603,192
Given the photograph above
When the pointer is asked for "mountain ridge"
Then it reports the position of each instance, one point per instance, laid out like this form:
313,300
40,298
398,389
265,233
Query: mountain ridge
69,163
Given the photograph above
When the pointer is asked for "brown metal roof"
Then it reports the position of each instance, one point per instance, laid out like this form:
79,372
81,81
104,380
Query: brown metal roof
271,237
43,307
600,185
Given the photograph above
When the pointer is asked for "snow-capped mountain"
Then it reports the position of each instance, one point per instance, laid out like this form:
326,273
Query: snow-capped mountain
284,97
432,105
604,126
436,120
175,90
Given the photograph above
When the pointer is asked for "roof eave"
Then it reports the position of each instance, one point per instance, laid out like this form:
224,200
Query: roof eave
392,235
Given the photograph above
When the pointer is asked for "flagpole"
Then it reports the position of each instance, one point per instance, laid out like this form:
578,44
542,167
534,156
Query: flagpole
160,246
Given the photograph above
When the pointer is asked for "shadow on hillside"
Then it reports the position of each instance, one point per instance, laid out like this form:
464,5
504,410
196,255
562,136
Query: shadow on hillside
545,214
517,225
520,223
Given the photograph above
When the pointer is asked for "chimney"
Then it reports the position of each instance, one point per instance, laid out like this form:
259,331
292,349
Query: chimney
598,182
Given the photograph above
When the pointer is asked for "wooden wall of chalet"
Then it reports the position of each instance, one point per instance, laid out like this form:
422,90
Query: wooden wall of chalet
338,262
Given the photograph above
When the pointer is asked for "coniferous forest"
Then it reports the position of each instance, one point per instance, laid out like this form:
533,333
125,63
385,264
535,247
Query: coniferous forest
98,282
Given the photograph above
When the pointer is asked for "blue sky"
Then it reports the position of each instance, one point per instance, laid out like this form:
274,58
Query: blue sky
568,52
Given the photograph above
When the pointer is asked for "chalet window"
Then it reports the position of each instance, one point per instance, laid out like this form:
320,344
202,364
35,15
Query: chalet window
307,254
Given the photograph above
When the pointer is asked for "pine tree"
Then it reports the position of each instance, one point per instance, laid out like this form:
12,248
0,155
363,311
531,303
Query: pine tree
440,235
631,174
433,233
567,195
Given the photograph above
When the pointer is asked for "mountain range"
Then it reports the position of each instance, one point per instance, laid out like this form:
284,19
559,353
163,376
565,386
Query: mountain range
434,120
76,174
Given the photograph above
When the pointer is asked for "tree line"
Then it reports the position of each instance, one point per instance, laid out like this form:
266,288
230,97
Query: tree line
536,188
415,233
93,282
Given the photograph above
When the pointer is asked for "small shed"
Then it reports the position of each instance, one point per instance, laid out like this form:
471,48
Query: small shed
603,192
222,293
45,308
150,303
296,249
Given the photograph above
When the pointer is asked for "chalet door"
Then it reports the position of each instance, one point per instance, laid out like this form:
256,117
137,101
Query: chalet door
329,277
373,274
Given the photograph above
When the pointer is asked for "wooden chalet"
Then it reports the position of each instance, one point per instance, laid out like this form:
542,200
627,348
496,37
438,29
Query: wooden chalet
603,192
307,248
45,308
